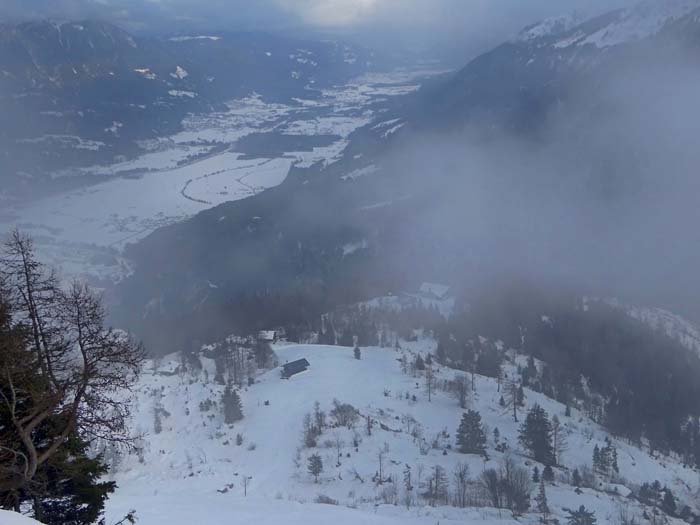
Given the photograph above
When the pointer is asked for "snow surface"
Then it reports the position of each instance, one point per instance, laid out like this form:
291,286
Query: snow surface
190,38
192,470
71,141
179,93
180,73
549,27
12,518
635,23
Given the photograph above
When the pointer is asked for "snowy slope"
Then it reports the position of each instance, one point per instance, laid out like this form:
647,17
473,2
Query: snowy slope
641,21
11,518
193,467
549,27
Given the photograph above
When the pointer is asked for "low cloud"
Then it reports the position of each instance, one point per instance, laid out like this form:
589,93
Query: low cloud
604,199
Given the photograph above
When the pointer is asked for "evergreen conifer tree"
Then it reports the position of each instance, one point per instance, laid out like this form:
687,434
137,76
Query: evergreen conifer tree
471,438
536,435
72,490
315,466
548,474
596,459
668,504
576,478
232,406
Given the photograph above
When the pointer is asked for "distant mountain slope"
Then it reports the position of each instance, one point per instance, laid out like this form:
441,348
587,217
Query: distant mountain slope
516,84
675,326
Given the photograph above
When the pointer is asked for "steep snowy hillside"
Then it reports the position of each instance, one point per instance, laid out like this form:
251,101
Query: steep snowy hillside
629,25
191,466
516,84
671,324
549,27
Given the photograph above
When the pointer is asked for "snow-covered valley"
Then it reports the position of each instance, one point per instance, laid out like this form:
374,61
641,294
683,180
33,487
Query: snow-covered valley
83,231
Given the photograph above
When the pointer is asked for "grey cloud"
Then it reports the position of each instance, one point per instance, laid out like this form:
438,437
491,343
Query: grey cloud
468,25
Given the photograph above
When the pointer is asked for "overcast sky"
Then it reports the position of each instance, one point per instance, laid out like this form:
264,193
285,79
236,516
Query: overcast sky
422,23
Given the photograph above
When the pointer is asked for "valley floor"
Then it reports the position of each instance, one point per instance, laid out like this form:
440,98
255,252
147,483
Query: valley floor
83,231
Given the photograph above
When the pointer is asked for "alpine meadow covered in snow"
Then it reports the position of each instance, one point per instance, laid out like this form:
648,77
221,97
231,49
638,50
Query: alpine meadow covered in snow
295,262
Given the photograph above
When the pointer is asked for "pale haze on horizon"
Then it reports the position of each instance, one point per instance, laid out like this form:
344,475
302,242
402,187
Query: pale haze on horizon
467,25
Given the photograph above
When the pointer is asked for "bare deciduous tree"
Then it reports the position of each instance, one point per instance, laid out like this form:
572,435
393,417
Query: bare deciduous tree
461,389
429,382
511,396
381,454
339,444
461,478
65,377
559,439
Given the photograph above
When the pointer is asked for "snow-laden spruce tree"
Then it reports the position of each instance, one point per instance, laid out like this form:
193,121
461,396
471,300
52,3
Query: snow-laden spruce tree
536,435
233,410
315,466
471,438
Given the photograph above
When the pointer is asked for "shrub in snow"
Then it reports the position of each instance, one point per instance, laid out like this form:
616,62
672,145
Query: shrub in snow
310,432
582,516
344,414
509,487
206,405
325,500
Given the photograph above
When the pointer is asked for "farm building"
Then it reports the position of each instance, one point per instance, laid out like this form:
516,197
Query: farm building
434,291
271,336
295,367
